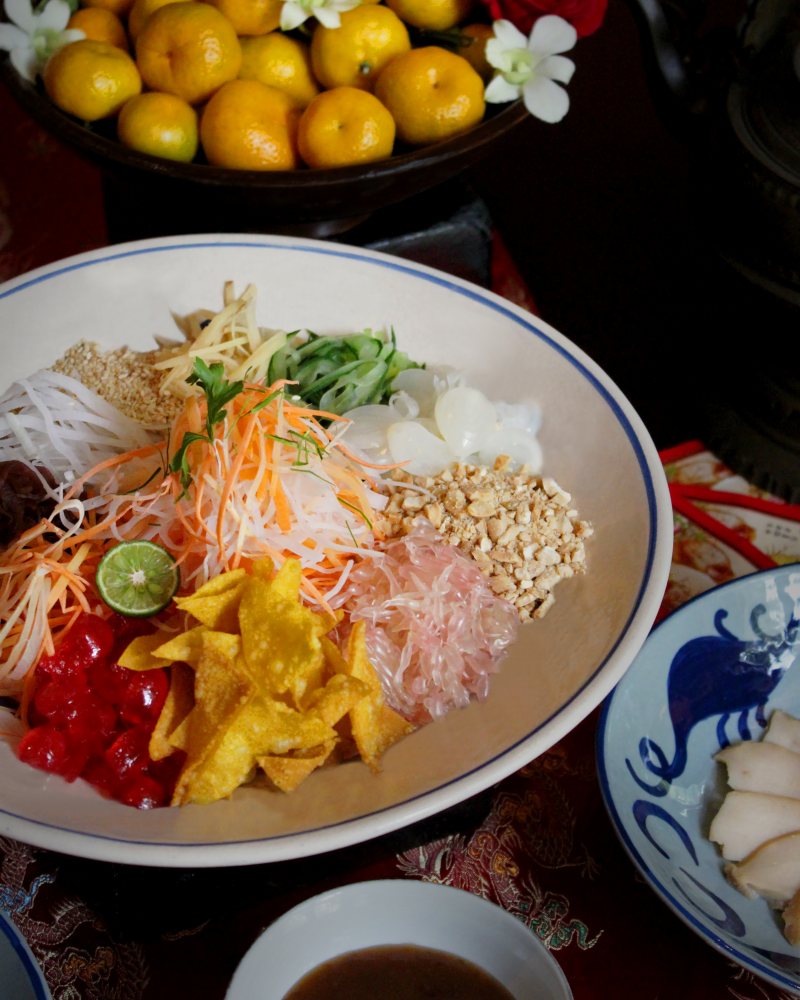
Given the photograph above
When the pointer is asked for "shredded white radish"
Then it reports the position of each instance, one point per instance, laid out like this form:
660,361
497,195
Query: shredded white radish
52,420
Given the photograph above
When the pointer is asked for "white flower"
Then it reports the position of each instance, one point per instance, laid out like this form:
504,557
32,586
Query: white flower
294,12
531,66
33,38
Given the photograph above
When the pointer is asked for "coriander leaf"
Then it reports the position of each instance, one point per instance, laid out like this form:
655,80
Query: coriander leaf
356,510
219,392
264,402
180,460
145,483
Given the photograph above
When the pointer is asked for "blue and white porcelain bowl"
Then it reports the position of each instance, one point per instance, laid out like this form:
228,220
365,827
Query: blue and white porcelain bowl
710,675
21,977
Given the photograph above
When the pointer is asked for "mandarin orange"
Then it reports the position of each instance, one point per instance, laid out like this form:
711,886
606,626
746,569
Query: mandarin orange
159,124
475,53
279,61
435,15
91,80
251,17
249,126
100,25
188,49
344,126
141,10
432,95
354,54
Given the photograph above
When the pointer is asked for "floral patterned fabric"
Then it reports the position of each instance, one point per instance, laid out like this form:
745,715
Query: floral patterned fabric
545,850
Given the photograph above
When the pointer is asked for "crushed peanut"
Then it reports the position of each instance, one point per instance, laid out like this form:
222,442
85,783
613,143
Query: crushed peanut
124,378
521,530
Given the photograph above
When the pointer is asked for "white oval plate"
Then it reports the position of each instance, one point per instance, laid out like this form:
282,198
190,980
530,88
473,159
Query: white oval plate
396,912
559,670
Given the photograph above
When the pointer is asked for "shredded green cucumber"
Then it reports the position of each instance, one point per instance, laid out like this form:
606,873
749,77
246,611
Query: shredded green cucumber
338,374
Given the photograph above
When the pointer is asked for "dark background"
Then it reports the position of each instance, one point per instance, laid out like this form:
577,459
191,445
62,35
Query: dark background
594,210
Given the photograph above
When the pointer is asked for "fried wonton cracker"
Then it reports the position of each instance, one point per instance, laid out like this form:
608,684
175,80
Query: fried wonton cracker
337,664
219,584
218,611
185,648
177,706
262,727
281,637
337,698
375,726
221,692
291,770
179,737
263,569
139,653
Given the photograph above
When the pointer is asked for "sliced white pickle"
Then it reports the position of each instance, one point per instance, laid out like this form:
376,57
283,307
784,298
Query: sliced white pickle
466,420
369,426
520,446
419,384
425,454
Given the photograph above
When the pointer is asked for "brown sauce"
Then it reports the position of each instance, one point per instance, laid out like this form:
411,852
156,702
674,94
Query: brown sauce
398,972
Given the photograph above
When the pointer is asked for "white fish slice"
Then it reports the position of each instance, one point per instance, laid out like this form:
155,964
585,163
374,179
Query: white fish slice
762,767
749,819
783,731
772,872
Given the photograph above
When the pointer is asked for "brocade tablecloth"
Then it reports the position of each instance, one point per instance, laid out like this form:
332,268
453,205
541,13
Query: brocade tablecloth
545,850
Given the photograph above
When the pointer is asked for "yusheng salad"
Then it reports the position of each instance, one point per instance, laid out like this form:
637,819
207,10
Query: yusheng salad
317,547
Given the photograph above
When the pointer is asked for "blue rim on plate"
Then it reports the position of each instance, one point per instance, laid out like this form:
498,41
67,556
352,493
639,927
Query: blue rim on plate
18,967
610,722
487,299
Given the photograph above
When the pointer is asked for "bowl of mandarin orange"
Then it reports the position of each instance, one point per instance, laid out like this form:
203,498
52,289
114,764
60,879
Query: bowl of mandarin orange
317,108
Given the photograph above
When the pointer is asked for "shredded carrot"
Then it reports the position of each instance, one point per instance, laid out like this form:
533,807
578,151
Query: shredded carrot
232,475
109,463
243,494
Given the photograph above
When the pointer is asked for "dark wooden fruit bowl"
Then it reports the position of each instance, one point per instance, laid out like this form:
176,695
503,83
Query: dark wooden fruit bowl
285,198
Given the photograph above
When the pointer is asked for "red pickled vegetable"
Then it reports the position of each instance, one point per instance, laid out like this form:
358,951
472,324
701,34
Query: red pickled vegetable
93,722
128,755
166,770
95,637
56,698
89,641
44,748
98,773
93,718
142,792
144,697
77,756
109,680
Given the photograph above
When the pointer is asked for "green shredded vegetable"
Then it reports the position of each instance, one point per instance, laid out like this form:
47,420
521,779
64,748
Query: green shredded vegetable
338,374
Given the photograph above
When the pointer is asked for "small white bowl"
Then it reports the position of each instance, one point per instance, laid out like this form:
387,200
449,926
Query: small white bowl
370,914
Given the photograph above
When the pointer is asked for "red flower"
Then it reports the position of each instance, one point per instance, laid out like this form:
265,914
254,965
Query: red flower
585,16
